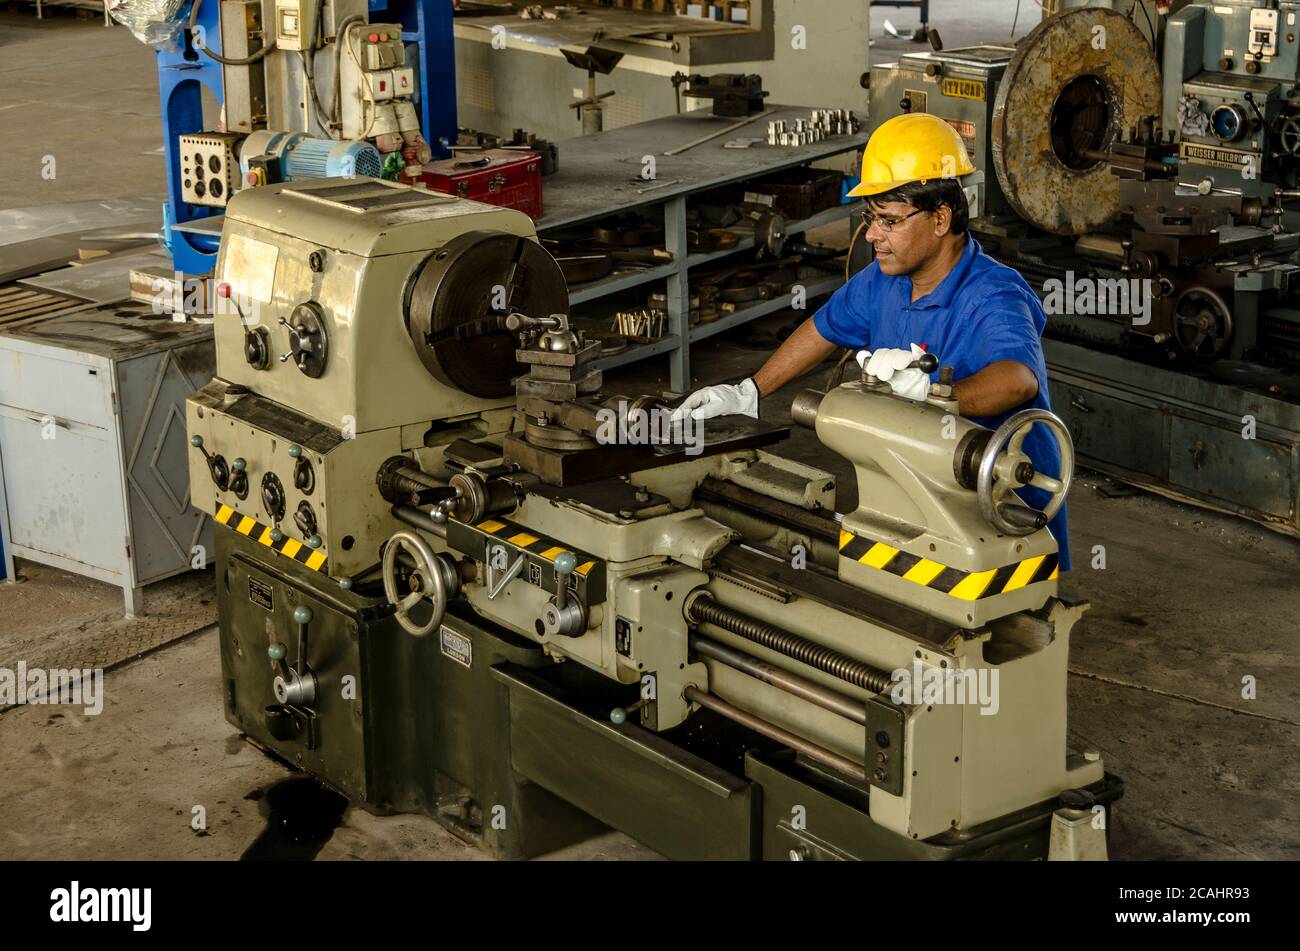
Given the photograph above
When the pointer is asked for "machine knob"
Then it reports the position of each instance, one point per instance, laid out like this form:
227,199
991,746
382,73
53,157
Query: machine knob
565,562
302,614
239,465
277,535
314,542
927,362
305,518
345,584
294,451
304,477
276,651
219,471
196,442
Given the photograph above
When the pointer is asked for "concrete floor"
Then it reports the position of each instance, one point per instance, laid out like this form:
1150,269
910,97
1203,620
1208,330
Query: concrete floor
1188,604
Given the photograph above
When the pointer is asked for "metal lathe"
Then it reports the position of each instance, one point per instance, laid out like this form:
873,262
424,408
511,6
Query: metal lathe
443,589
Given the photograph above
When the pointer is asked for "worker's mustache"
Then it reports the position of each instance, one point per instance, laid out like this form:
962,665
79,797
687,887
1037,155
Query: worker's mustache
626,425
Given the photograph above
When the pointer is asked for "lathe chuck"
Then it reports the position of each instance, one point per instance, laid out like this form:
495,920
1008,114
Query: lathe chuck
1077,81
457,304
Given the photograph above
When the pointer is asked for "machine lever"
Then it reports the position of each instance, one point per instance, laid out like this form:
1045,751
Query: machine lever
565,562
1022,516
496,583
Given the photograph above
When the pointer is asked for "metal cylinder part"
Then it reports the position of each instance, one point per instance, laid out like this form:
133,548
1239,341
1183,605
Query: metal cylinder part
811,750
417,519
700,607
803,411
801,687
296,689
569,620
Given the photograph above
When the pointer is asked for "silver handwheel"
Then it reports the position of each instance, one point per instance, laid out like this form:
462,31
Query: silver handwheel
1005,467
425,581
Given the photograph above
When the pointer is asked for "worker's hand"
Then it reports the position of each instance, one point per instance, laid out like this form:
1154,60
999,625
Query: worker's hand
723,400
892,366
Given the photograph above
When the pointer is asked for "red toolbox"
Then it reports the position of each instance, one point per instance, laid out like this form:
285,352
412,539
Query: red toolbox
503,177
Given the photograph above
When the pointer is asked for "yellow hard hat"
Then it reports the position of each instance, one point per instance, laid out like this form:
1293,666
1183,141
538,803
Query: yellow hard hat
916,147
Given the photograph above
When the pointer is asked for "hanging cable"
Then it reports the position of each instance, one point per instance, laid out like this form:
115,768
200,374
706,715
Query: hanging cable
837,373
225,61
340,38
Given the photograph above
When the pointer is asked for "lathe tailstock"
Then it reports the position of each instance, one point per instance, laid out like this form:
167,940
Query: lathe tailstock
527,615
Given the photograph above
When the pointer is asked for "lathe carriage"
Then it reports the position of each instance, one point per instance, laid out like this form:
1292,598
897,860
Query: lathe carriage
443,589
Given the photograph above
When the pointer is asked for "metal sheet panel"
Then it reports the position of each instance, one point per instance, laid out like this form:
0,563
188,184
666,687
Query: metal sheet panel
64,491
151,391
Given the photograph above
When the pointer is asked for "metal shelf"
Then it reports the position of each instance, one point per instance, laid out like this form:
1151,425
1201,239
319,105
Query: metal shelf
829,216
597,180
620,281
761,309
638,352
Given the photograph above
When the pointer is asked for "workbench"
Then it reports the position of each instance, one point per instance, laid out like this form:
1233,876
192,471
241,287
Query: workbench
600,176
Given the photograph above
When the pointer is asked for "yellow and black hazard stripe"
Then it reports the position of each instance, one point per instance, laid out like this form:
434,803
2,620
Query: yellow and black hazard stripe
547,548
965,585
539,552
313,558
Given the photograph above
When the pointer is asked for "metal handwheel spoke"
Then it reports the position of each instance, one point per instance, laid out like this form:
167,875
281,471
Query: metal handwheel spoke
427,568
1046,483
1003,453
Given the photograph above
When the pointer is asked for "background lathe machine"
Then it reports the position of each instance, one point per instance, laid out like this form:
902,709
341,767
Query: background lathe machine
440,592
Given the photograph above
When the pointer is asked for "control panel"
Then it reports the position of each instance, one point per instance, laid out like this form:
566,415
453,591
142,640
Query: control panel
209,168
295,24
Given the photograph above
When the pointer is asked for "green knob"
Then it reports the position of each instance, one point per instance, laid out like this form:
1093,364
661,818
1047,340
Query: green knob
277,535
314,542
565,562
302,614
239,465
295,451
345,584
275,652
196,442
618,716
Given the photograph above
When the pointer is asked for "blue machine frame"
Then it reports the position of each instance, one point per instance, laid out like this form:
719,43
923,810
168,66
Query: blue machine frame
183,74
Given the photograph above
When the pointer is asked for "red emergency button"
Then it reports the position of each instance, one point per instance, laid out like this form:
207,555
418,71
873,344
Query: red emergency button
251,178
374,37
223,290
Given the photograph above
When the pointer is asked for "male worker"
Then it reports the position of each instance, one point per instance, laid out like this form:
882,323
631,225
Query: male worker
930,288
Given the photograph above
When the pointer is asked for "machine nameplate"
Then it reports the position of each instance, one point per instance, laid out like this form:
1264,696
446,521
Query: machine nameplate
250,267
261,594
965,585
1214,156
456,646
312,558
964,89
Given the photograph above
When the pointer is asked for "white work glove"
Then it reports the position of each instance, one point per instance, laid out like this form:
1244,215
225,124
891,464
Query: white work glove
891,366
723,400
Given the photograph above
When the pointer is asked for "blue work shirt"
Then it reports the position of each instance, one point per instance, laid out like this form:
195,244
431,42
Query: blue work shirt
981,312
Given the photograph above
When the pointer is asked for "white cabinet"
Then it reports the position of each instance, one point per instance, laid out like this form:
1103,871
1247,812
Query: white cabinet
94,474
